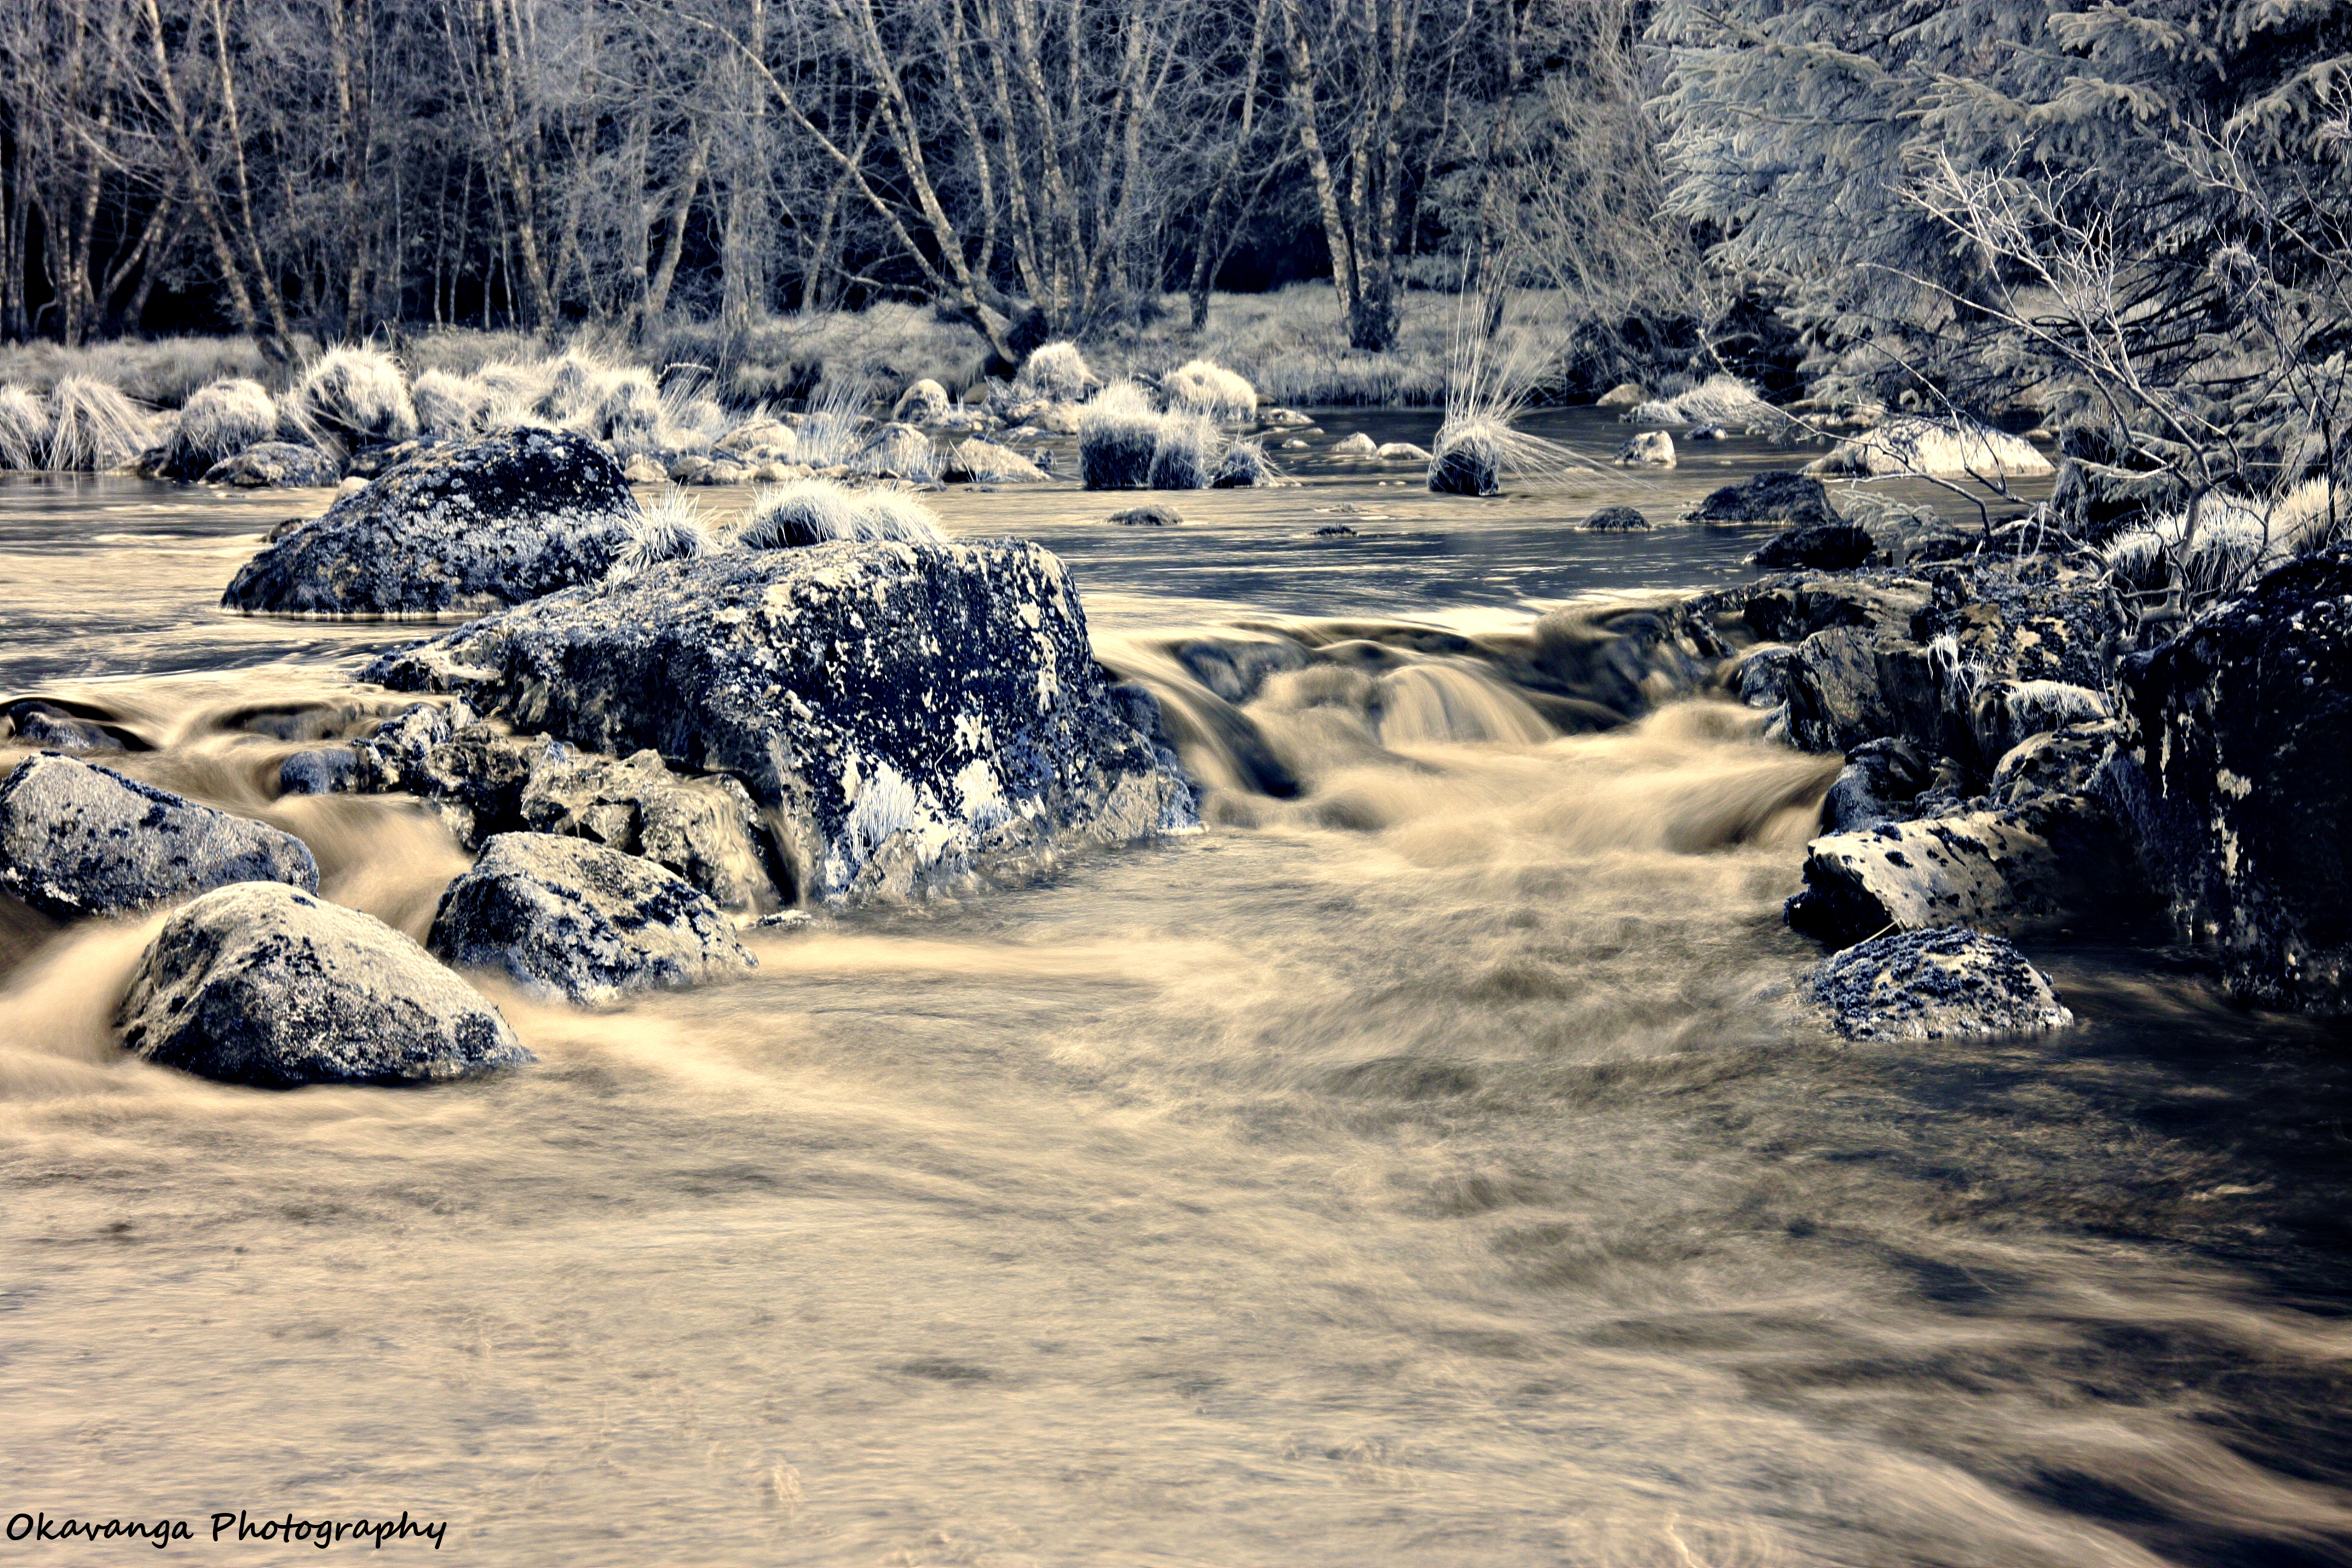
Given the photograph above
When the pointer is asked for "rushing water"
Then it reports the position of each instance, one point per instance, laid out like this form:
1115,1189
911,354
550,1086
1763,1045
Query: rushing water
1432,1164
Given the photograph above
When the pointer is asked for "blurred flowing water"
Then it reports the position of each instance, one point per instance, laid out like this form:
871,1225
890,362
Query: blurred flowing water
1432,1163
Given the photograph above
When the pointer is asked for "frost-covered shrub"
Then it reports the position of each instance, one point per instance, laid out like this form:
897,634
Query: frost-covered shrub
453,408
1203,386
218,421
1186,455
802,512
1118,435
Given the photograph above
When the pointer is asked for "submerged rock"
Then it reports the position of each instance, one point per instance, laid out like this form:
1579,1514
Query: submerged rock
469,527
32,723
1937,984
78,840
565,917
1617,520
904,713
263,983
1147,517
1777,496
2234,779
275,464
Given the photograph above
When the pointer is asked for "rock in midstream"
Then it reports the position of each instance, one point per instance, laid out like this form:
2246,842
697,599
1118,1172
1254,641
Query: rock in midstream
1932,985
905,714
565,917
76,840
472,527
263,983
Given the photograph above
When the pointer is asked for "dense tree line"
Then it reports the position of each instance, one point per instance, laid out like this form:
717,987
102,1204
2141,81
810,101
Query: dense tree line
1041,165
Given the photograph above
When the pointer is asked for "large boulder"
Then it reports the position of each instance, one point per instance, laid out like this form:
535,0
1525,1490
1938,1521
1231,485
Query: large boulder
469,527
264,984
565,917
1934,984
1793,500
1847,685
904,713
77,839
1978,869
2233,777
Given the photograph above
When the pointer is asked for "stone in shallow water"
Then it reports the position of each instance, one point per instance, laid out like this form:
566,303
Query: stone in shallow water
1779,496
471,527
78,840
903,714
1617,520
263,983
275,464
1933,985
565,917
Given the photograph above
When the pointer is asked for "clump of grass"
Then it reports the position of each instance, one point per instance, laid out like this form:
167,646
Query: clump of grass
1246,466
830,435
1721,399
93,427
219,421
672,529
1911,445
452,407
1119,436
1204,386
1056,371
628,411
24,427
2235,539
1186,455
356,395
804,513
1476,447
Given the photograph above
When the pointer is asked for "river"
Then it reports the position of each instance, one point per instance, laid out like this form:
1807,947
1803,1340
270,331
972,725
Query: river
1434,1162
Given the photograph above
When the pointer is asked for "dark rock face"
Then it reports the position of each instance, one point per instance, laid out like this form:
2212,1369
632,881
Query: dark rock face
263,983
1762,675
1934,984
1879,781
2062,761
1792,608
1790,500
1825,546
275,464
1617,520
1851,684
2233,777
472,527
565,917
78,840
904,713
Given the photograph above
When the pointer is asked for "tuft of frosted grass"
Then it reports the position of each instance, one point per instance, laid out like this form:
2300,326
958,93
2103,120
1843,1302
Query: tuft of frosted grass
1476,447
802,512
357,395
1186,455
1245,465
2237,539
24,427
93,428
628,411
515,382
1119,436
832,431
1056,371
1721,399
451,406
1913,445
218,422
1204,386
671,529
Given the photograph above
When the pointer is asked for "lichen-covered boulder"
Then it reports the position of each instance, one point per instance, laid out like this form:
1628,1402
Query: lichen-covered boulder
78,840
1980,869
2233,777
264,984
467,527
565,917
276,465
1935,984
904,713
